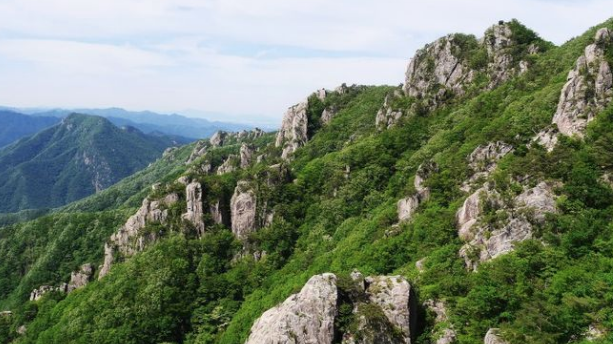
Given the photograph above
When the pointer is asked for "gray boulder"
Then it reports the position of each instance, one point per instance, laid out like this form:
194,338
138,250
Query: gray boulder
293,132
243,210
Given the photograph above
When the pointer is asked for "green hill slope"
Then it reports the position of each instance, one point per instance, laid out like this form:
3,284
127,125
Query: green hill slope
80,156
464,182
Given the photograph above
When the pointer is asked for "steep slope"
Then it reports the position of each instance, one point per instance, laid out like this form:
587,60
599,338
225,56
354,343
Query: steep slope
15,126
79,156
470,229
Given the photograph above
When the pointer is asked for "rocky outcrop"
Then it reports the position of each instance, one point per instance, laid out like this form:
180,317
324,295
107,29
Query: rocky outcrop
382,309
243,210
218,139
194,213
448,333
548,138
588,89
392,295
502,46
130,239
387,115
246,154
407,206
493,337
488,241
327,115
438,69
228,165
39,292
306,317
199,150
293,132
80,278
483,161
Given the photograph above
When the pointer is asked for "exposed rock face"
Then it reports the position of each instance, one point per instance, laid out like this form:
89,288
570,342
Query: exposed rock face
468,214
500,43
306,317
547,138
447,337
437,68
407,206
327,115
79,279
6,314
243,210
39,292
492,337
392,294
485,242
246,154
387,116
199,150
128,239
483,161
484,158
293,132
588,89
193,195
228,165
216,213
218,138
309,316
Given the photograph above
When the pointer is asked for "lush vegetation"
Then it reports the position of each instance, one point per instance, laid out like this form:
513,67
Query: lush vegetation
71,160
335,210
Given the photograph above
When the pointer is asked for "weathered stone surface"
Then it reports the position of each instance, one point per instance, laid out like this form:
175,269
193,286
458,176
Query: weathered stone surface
194,212
447,337
499,43
327,115
243,210
128,239
468,214
484,242
293,132
547,138
484,157
306,317
309,316
39,292
387,116
588,89
392,294
79,279
216,213
406,207
483,161
6,314
228,166
437,68
218,138
493,337
199,150
246,154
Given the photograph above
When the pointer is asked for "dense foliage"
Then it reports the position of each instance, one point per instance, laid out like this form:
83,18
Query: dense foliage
335,210
72,160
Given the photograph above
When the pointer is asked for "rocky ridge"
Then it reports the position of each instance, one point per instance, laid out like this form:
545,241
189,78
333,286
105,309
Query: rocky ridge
310,315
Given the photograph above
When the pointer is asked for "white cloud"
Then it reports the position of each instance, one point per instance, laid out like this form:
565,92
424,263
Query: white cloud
236,56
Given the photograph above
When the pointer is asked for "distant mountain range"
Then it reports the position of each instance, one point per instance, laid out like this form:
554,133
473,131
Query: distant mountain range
75,158
14,126
146,121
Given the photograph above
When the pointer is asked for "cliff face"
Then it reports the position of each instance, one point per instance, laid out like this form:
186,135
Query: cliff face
383,309
588,89
293,132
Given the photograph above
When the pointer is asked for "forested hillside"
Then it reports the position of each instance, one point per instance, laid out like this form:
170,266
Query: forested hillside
71,160
473,204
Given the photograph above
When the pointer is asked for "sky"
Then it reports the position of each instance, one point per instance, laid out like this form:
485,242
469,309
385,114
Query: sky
237,60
